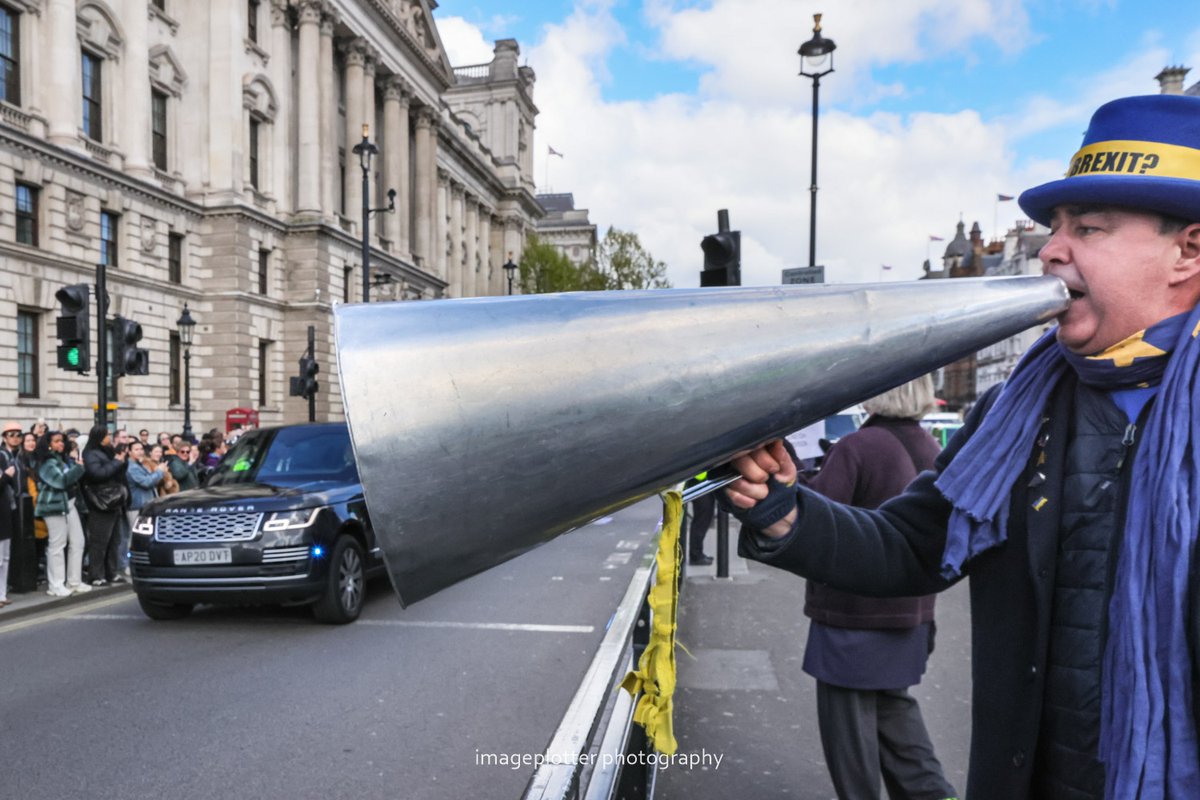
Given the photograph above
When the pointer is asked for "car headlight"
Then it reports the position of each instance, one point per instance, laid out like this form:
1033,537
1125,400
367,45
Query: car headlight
291,520
144,526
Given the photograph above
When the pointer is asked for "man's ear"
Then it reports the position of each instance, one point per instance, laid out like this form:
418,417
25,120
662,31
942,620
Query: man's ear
1187,266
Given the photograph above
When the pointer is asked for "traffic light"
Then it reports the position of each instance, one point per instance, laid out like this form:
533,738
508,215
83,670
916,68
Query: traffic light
305,384
74,354
128,358
722,255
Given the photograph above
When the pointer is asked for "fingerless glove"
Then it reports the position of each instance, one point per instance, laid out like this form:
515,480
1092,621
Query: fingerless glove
778,503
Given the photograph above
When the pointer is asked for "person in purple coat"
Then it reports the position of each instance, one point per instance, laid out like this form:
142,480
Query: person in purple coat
866,651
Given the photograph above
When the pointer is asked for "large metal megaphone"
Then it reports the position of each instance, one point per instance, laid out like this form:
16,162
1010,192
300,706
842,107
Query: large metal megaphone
486,426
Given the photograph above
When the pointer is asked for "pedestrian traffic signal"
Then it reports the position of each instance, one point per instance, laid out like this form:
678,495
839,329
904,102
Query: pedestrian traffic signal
305,384
73,352
722,255
128,358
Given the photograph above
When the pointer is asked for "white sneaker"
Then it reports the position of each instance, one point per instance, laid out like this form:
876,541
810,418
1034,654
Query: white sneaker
79,588
58,591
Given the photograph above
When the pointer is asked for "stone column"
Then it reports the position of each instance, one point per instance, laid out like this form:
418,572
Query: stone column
423,192
487,281
308,151
133,124
327,120
356,59
61,90
499,256
471,286
394,144
368,117
281,76
455,272
441,225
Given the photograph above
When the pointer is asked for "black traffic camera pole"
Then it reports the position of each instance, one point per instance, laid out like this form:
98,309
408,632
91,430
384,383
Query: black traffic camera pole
722,267
312,396
102,344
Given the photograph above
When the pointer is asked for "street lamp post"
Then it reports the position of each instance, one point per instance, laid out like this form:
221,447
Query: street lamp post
510,269
816,61
364,150
186,327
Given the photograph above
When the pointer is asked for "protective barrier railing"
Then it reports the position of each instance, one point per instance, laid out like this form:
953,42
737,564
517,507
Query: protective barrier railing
585,756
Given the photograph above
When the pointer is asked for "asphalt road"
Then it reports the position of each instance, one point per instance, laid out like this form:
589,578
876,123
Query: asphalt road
99,702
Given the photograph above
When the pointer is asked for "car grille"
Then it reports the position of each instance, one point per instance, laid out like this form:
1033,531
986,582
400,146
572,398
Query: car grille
207,527
283,555
139,558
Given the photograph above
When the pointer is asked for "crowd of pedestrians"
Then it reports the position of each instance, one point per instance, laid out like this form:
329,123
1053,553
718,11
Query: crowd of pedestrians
85,492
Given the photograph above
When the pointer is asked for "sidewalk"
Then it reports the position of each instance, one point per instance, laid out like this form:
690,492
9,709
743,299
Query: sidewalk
742,695
25,603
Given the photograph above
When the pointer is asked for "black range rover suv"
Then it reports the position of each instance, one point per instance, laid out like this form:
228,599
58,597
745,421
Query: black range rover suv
281,520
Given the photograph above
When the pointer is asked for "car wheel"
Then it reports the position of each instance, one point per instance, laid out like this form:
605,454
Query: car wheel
345,585
164,611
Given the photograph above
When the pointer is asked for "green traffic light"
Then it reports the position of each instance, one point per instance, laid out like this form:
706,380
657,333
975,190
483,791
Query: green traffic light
73,356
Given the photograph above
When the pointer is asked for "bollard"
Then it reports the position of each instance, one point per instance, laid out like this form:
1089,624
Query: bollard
722,544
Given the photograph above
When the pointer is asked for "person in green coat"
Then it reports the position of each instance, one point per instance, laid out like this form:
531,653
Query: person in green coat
56,479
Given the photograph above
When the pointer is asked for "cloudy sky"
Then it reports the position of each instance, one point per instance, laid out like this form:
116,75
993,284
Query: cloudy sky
667,110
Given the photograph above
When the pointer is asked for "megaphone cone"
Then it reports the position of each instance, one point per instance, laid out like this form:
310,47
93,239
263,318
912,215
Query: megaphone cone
486,426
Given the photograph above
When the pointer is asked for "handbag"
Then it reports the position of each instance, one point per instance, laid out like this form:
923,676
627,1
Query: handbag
105,496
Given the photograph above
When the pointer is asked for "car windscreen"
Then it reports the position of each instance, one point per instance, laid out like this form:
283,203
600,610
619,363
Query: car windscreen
289,456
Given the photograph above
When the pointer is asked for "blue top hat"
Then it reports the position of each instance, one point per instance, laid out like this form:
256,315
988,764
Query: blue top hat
1138,152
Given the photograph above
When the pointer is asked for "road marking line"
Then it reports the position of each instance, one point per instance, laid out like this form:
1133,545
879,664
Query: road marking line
486,626
628,544
73,611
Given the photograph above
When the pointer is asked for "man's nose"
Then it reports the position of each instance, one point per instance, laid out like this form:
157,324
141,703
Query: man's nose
1053,252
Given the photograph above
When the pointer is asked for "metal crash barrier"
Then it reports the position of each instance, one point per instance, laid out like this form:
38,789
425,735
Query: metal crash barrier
594,753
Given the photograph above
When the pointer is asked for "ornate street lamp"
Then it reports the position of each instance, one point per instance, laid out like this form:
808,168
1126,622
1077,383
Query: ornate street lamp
510,269
816,61
364,150
186,326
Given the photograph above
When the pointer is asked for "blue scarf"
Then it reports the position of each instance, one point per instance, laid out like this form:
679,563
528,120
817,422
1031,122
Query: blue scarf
1148,738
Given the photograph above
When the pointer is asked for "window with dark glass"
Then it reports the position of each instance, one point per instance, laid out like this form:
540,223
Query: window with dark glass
175,258
264,261
27,214
92,106
252,20
108,238
347,275
27,354
10,56
254,126
158,128
264,348
175,359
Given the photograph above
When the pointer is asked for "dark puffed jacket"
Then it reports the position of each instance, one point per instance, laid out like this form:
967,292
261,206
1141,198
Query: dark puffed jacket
865,469
896,550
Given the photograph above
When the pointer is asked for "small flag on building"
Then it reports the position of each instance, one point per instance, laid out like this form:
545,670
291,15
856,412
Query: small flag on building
1003,197
552,152
933,238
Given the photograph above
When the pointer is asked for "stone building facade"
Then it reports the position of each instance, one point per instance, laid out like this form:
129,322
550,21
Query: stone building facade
204,152
567,227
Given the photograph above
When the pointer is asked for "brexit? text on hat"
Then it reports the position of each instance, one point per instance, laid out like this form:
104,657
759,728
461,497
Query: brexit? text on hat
1138,152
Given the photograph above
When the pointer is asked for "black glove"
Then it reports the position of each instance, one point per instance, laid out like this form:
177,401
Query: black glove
779,502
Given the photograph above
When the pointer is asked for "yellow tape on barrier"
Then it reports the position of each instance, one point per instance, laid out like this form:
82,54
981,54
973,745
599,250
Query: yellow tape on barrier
655,675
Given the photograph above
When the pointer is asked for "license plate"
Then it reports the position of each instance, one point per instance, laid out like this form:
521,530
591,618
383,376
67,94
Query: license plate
205,555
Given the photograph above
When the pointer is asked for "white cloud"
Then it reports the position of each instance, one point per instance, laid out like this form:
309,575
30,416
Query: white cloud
663,167
464,42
